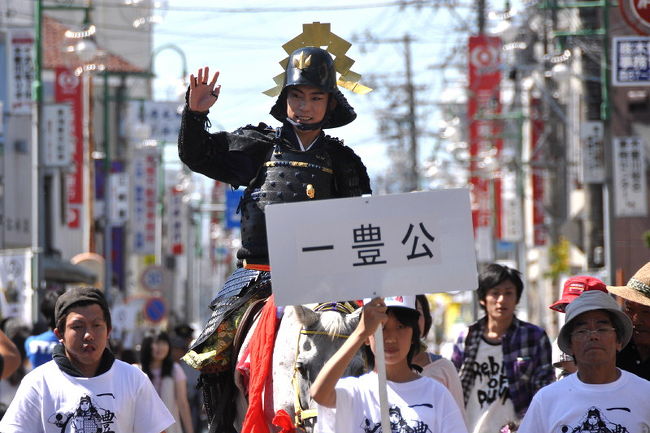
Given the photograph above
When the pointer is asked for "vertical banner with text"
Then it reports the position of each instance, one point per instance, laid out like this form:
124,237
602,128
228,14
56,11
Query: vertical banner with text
20,70
483,109
144,183
176,220
68,88
630,190
536,130
593,152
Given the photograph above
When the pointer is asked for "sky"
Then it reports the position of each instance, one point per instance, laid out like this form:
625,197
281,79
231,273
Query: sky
242,39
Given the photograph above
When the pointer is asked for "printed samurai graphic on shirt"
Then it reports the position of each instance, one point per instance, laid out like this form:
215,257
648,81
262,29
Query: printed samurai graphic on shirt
397,423
87,417
595,422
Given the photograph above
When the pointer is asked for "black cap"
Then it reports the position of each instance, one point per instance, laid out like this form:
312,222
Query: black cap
83,296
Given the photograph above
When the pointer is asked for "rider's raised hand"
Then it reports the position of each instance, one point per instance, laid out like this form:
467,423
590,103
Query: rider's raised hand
203,93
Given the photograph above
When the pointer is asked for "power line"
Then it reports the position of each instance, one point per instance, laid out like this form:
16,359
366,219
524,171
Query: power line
295,9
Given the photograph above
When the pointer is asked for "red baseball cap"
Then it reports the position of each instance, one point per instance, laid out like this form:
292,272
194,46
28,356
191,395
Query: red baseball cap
573,287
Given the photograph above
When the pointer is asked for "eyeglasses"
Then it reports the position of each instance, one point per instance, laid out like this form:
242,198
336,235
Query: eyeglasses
583,334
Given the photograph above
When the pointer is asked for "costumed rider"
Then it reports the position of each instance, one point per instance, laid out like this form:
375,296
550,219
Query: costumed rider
294,162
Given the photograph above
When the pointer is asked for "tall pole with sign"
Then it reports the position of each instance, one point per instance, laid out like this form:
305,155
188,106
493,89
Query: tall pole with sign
38,196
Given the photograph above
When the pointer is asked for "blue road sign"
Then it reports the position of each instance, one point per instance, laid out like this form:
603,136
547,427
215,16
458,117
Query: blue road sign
155,309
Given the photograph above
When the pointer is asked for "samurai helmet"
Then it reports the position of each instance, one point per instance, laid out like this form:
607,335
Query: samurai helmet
310,65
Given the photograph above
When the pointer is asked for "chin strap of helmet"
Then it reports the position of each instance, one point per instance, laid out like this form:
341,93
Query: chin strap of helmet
306,126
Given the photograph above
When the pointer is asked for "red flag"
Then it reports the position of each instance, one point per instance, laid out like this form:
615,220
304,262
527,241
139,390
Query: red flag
261,353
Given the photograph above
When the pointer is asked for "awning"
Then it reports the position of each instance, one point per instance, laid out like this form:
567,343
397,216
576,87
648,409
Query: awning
62,271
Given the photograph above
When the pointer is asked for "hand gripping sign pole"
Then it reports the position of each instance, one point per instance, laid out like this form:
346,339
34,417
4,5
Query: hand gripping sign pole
364,247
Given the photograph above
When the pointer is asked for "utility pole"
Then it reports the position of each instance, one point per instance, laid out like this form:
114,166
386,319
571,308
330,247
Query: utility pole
481,16
411,173
38,196
413,181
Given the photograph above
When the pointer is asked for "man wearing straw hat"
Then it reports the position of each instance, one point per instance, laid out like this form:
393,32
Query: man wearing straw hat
635,357
599,397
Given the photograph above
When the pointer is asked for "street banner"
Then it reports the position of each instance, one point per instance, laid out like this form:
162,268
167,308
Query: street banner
144,184
176,220
512,221
20,70
636,14
483,109
68,88
538,171
593,152
361,247
631,60
16,215
630,190
118,194
57,135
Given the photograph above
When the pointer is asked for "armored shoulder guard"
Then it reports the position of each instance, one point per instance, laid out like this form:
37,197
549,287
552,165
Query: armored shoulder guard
350,174
261,128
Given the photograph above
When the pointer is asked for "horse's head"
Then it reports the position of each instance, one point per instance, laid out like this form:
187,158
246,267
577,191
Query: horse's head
323,332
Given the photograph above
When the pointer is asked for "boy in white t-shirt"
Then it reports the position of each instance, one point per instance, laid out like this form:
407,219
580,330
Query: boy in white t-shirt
599,397
416,403
84,388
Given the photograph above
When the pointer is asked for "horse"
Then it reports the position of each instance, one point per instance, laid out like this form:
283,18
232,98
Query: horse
306,338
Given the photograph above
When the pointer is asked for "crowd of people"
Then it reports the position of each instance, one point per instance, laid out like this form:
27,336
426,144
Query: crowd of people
503,376
505,365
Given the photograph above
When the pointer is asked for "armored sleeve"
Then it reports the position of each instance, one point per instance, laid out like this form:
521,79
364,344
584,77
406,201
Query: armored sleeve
350,175
232,158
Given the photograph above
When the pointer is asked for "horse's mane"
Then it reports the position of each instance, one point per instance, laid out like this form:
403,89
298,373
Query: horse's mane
334,324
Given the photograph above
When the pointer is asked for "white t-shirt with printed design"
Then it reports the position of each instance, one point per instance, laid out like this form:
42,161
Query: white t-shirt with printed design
570,405
489,406
421,405
121,400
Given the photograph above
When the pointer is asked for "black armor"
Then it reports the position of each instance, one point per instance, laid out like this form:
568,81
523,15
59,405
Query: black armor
288,176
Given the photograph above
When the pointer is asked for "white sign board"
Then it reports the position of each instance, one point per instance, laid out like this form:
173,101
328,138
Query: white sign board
118,193
630,190
593,152
631,61
354,248
163,119
511,216
57,135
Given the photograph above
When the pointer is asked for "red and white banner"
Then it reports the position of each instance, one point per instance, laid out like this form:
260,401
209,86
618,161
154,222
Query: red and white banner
68,88
536,130
20,70
144,181
483,108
